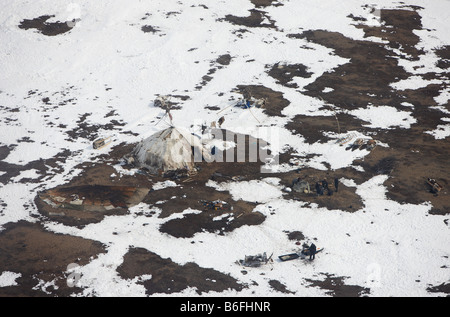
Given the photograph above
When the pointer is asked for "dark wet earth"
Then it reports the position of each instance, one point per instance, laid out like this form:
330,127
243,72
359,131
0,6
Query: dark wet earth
412,157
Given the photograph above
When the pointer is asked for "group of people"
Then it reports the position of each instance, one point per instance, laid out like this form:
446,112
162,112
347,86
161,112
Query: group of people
322,186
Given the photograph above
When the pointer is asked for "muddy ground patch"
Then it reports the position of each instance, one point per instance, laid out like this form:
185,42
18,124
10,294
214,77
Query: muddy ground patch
169,277
42,257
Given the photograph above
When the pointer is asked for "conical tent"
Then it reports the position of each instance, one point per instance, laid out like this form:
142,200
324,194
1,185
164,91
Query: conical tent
170,149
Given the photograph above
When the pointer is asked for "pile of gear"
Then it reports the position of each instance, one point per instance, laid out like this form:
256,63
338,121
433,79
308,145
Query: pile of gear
302,186
251,102
255,260
361,144
216,205
435,186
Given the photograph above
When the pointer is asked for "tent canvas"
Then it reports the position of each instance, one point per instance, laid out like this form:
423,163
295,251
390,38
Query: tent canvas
170,149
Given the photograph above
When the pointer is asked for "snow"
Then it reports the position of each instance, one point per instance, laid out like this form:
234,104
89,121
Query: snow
443,97
442,131
9,278
385,117
165,184
253,191
107,63
414,82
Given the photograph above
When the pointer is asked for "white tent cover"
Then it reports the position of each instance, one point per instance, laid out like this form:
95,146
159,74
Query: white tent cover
170,149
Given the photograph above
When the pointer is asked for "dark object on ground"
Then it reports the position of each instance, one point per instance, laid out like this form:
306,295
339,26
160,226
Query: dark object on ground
48,28
435,186
288,257
216,205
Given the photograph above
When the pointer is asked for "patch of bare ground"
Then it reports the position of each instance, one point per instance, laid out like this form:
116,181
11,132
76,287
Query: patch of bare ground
255,19
314,128
337,288
444,57
47,28
364,79
192,196
398,29
442,288
275,102
39,255
149,29
280,287
285,73
266,3
71,216
169,277
345,198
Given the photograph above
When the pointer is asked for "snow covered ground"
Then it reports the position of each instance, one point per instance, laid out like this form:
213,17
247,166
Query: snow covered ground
106,66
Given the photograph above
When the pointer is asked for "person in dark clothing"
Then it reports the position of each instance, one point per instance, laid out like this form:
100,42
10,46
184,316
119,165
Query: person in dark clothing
319,189
312,252
336,184
325,184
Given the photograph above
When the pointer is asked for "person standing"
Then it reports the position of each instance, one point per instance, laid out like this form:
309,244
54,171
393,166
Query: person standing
319,189
325,184
336,184
312,252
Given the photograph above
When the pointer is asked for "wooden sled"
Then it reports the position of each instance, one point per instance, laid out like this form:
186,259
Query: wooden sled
288,257
101,143
435,186
346,139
